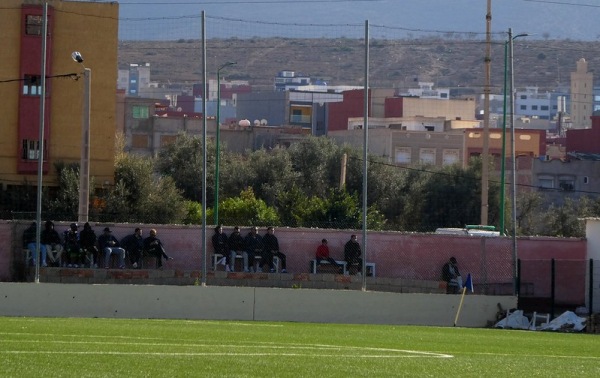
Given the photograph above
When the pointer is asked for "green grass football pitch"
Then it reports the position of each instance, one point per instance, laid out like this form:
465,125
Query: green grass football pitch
76,347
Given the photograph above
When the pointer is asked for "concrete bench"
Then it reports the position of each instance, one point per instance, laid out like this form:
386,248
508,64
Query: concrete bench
239,262
326,266
370,268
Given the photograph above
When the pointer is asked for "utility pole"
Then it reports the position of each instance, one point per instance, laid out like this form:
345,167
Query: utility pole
486,117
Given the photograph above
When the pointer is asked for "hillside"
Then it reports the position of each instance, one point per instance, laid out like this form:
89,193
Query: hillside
455,63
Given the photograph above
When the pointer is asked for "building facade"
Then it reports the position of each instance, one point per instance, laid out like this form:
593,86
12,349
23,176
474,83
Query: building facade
91,29
582,100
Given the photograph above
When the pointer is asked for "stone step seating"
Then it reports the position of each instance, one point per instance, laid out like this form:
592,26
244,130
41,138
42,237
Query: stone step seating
217,278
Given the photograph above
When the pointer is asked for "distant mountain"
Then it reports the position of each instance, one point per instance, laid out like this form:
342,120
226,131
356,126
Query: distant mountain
541,19
454,63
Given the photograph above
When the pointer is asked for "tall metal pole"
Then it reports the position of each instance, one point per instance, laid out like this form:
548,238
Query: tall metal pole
503,160
218,143
40,173
514,157
486,119
84,163
204,254
365,157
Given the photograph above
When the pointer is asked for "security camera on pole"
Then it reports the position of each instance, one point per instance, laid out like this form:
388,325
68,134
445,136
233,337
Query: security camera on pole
84,163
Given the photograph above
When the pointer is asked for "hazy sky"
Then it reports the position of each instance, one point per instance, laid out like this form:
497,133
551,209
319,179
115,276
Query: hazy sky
560,19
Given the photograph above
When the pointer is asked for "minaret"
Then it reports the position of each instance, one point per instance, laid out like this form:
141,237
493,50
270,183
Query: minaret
582,85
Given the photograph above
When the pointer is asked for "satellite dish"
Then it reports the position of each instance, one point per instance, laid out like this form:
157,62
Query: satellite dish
244,123
263,122
256,122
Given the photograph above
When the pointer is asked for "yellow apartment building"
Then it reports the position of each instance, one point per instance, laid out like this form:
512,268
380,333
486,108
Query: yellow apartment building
88,27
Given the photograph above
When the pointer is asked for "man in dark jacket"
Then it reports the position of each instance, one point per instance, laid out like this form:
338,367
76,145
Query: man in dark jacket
236,246
451,275
110,245
53,244
153,247
221,247
271,249
254,247
87,241
353,255
134,247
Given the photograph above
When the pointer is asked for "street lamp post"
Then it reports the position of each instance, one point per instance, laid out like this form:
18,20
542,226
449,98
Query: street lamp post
511,38
84,163
218,141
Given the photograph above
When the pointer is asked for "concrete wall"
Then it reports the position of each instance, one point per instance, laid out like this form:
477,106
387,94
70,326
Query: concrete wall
235,303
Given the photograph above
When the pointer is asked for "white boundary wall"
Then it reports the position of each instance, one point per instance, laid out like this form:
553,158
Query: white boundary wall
247,304
592,233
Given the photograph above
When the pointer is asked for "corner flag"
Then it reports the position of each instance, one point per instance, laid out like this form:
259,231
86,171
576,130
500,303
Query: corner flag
469,283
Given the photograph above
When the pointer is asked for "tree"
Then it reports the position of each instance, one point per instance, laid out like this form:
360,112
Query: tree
139,196
247,209
182,161
64,204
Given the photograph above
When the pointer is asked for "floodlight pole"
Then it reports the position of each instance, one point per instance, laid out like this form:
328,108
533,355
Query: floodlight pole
514,159
218,142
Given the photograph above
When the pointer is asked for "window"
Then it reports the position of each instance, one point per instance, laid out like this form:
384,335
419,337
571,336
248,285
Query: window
546,182
523,107
403,155
450,157
139,141
33,25
586,180
534,107
523,97
427,156
31,149
544,107
140,111
32,85
165,140
444,95
566,183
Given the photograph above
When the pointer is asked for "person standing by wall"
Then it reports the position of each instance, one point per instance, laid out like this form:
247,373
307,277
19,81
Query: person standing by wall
451,275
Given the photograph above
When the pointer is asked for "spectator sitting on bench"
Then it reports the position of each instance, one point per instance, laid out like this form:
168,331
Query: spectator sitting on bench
236,246
109,245
134,246
87,241
322,254
30,242
154,247
221,247
53,244
72,248
254,247
271,249
352,255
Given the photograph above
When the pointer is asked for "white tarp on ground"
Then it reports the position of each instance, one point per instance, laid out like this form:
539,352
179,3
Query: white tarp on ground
514,320
568,321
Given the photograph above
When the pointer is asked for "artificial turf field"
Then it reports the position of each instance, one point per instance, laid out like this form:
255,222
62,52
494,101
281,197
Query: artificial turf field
76,347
